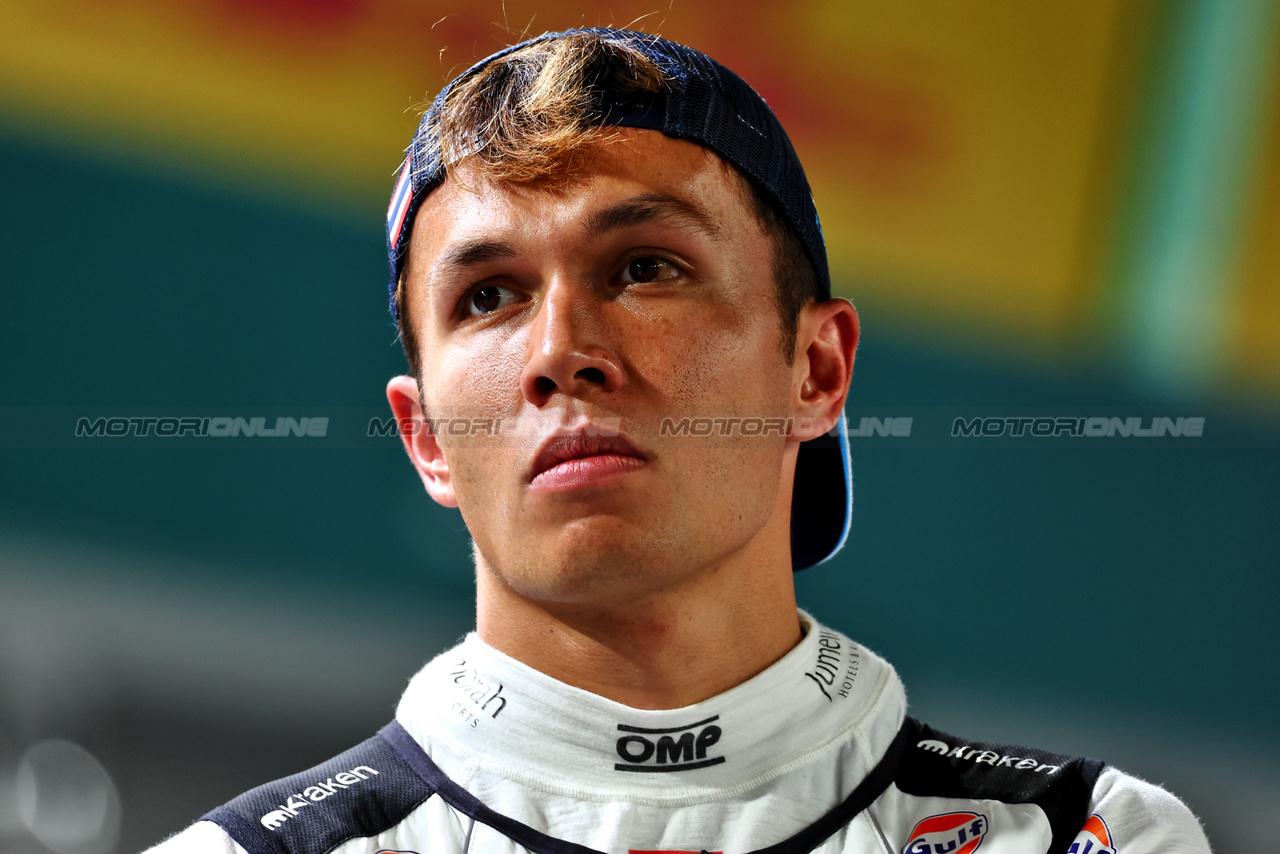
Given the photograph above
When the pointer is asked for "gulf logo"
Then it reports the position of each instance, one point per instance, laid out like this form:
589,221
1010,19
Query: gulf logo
1093,838
949,833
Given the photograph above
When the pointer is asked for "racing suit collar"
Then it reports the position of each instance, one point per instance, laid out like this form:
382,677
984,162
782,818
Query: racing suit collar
482,714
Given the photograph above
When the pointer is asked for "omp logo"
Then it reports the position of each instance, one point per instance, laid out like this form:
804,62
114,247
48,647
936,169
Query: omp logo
1093,838
982,756
676,749
950,833
315,793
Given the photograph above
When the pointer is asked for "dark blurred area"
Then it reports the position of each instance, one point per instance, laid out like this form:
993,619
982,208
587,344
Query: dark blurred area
1043,212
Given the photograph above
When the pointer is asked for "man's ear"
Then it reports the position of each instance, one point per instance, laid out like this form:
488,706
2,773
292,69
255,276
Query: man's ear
419,441
826,340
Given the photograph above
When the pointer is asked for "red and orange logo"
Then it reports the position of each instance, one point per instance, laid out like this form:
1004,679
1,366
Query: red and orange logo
949,833
1093,838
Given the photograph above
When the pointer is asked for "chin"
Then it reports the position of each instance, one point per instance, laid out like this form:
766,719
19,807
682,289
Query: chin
581,566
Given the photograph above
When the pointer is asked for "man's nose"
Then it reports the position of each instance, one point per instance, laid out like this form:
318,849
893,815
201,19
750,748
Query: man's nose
571,346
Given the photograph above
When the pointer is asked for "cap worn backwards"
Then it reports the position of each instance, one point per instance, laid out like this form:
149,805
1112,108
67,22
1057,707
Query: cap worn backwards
706,103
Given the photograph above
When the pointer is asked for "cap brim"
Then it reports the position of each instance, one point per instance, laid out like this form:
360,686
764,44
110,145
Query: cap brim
822,498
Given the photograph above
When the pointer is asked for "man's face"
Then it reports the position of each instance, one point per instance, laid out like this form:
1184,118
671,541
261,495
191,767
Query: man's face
576,319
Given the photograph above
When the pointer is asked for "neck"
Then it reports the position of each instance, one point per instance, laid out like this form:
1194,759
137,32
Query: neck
663,649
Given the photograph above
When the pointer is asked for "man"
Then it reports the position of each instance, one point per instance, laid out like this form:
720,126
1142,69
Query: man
629,375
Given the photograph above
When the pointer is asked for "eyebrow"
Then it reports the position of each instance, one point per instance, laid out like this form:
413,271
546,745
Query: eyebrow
638,210
472,252
651,207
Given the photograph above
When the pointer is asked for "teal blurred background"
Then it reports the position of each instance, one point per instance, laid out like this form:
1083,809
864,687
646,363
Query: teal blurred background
194,616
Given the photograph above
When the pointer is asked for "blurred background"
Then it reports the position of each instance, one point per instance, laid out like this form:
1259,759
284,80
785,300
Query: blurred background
1042,210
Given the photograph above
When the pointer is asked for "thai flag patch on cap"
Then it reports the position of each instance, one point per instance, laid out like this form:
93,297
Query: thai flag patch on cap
399,206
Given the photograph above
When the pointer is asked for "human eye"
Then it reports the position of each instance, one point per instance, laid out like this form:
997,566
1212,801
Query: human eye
645,269
489,299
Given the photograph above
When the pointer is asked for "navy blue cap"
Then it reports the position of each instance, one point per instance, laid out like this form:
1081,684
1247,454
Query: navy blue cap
706,103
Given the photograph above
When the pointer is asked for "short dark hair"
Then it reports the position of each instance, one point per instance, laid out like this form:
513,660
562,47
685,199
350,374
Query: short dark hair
526,117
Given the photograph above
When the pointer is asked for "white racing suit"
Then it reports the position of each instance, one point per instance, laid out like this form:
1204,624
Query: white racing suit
816,753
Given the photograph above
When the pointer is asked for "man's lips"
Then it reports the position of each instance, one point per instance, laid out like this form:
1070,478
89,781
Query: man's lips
577,459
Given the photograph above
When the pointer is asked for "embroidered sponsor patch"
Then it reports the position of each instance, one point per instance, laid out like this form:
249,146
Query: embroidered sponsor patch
983,756
949,833
1093,838
675,749
830,672
315,793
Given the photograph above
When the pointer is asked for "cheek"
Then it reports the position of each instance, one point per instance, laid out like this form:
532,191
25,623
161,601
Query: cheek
473,395
720,371
479,377
715,359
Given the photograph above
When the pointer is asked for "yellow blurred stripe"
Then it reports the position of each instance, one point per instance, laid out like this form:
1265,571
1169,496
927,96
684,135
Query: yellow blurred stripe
155,74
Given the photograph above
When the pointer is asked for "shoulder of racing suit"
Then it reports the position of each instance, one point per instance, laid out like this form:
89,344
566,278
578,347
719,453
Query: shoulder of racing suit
360,792
940,765
377,784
